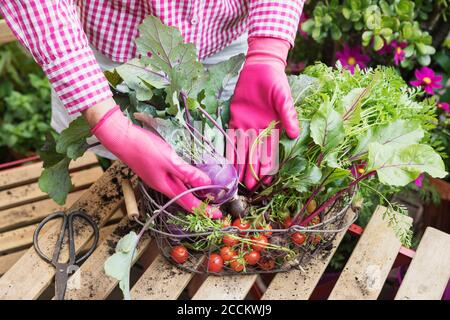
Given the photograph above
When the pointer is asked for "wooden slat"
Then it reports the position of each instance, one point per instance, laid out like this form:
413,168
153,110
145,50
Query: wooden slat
371,260
16,239
31,192
161,281
298,285
95,284
429,271
7,261
30,276
6,34
23,237
225,287
33,212
30,173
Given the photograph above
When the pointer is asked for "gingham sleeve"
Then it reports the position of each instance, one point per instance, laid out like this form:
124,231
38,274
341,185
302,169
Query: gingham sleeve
51,31
275,18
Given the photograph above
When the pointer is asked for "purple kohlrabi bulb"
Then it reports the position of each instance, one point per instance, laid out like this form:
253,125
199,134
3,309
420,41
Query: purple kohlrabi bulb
221,173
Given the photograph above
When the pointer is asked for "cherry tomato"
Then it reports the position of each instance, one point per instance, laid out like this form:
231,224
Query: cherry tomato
311,206
215,263
241,225
260,242
227,253
237,266
179,254
266,263
316,239
298,238
252,257
287,222
230,241
266,227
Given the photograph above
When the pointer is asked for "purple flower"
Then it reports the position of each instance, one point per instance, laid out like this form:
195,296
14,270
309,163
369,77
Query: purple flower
399,53
419,180
444,106
352,56
427,79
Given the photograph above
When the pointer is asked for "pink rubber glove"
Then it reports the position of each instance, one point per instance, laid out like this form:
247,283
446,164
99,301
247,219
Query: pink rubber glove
151,158
262,95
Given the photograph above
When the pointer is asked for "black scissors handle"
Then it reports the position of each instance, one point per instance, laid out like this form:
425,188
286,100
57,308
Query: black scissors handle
67,226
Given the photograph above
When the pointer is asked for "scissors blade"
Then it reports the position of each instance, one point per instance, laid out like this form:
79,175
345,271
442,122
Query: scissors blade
61,278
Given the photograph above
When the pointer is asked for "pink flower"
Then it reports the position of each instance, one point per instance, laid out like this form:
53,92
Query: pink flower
352,56
303,18
399,53
419,180
427,79
444,106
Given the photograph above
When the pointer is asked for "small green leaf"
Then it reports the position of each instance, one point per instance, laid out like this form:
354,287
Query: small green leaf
293,147
409,51
56,182
425,49
72,140
366,37
308,25
336,33
48,153
378,43
424,60
327,129
294,166
118,265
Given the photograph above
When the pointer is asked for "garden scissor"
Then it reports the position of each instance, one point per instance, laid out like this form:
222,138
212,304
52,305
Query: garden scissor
64,269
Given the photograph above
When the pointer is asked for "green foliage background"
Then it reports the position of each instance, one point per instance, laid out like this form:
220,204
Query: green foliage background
24,103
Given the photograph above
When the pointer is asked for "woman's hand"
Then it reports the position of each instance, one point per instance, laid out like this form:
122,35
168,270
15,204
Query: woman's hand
149,156
262,96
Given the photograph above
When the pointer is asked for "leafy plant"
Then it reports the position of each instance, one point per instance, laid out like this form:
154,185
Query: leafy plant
24,101
377,22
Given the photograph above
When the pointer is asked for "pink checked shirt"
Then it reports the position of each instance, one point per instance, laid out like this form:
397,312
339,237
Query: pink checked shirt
58,33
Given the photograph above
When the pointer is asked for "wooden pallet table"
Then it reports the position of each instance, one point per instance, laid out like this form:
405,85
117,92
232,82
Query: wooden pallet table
362,278
23,205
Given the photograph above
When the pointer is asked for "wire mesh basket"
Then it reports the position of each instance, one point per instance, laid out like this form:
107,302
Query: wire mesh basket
286,247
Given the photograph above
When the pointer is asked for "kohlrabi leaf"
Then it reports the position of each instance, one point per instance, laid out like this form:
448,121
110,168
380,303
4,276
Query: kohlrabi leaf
397,134
141,78
326,127
170,55
55,181
219,77
398,165
72,141
48,153
118,265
